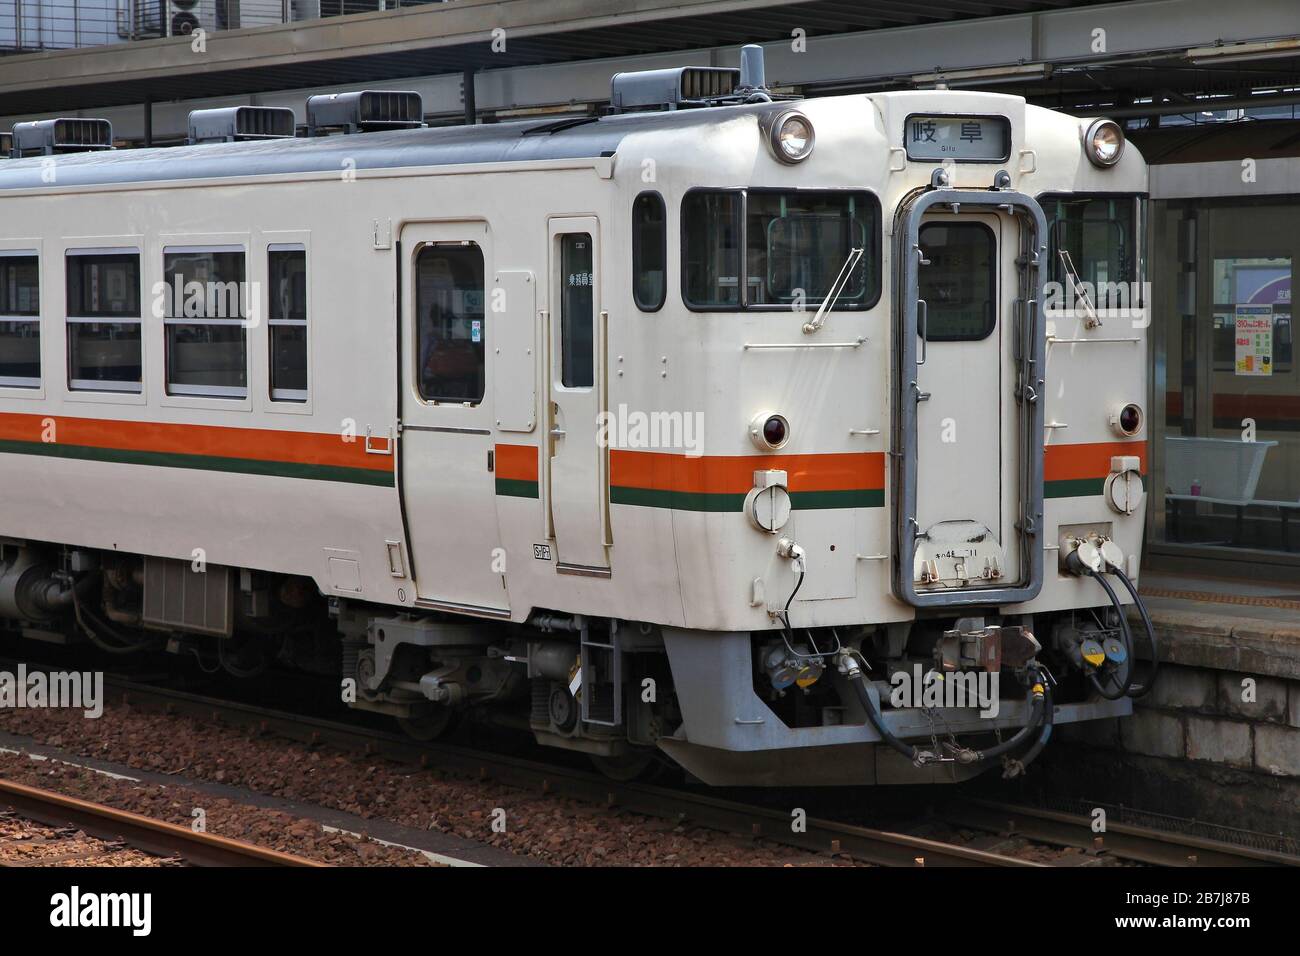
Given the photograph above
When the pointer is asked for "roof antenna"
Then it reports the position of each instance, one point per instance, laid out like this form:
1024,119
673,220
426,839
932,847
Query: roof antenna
753,75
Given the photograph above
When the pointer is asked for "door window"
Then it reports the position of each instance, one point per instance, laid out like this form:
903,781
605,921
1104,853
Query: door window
450,330
577,305
959,285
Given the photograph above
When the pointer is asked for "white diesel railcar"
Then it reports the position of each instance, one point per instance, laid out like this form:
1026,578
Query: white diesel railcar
701,429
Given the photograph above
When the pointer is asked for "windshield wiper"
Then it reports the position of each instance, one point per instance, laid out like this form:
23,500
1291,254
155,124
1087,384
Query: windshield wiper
837,287
1094,320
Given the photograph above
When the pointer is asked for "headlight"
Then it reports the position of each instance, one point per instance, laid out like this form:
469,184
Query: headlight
1104,143
792,137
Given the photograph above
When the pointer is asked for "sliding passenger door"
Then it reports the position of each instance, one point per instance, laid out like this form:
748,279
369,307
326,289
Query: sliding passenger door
446,454
577,478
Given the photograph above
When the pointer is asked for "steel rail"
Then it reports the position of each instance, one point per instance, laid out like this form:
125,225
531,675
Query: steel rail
143,833
1123,840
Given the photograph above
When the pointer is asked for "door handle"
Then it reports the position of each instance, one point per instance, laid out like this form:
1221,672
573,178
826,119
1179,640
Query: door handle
922,322
372,445
557,432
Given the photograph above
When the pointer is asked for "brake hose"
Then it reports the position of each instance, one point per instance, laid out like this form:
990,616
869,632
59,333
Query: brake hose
1037,707
1016,767
858,680
1038,713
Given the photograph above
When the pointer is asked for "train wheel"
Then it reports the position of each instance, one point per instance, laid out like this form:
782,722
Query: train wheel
430,725
626,767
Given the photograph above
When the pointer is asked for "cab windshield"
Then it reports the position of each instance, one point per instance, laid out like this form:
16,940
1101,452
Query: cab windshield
793,243
1093,244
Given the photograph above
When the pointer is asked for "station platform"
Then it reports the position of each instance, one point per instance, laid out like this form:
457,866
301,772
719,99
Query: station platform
1226,624
1218,739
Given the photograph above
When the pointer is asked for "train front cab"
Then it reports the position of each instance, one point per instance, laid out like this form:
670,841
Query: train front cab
969,330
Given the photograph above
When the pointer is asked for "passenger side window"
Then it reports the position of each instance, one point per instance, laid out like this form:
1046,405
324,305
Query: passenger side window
103,305
287,319
20,319
450,329
207,338
649,251
577,311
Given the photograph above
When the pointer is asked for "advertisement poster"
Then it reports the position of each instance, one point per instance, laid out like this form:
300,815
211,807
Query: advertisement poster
1254,339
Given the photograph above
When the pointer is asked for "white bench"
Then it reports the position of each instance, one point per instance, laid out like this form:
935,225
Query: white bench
1227,469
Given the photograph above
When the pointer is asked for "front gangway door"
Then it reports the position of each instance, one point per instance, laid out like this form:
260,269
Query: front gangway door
968,419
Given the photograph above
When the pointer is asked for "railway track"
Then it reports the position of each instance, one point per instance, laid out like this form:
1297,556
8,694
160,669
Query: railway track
878,847
155,837
875,846
1125,841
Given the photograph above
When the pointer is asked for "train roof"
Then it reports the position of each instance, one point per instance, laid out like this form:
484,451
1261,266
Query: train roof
519,141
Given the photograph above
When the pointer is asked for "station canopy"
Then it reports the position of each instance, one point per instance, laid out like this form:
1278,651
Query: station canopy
427,39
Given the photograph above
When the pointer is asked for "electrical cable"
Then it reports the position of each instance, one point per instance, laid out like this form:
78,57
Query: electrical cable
1141,690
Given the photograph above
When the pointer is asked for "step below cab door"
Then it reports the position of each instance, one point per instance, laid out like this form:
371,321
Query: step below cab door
446,456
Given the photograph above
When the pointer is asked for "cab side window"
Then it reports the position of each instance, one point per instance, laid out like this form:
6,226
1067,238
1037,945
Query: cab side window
649,251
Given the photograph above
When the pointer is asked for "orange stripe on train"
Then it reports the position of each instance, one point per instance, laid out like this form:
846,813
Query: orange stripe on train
517,462
1070,462
256,444
734,474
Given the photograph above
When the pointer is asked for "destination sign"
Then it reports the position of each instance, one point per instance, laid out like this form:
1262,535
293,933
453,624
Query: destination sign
968,138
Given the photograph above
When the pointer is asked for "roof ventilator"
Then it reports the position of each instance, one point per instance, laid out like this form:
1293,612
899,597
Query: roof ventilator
52,136
364,111
235,124
691,86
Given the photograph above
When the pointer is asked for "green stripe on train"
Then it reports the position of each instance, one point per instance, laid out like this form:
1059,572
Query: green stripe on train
720,503
243,466
516,488
1077,487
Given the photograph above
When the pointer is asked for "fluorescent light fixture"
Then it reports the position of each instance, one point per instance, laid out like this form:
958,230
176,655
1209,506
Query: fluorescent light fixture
987,75
1241,52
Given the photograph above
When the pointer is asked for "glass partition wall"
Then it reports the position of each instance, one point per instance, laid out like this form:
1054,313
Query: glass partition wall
1225,429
